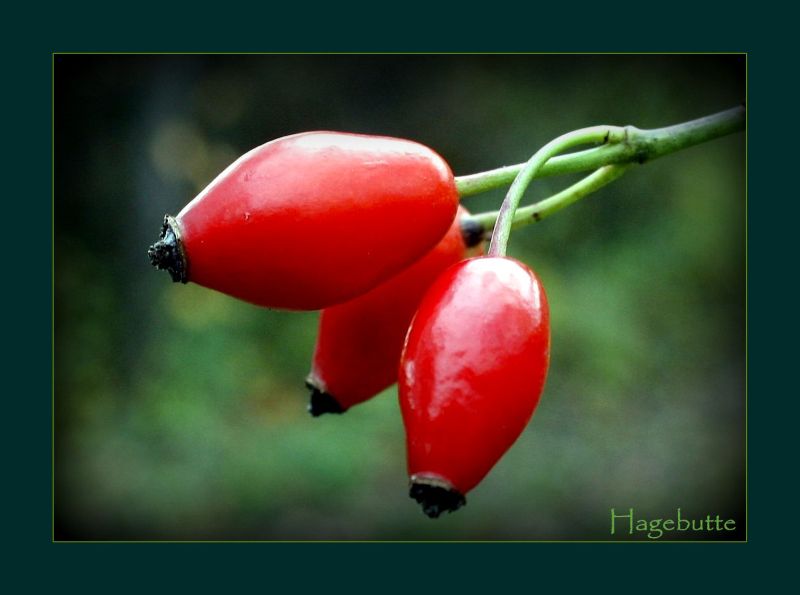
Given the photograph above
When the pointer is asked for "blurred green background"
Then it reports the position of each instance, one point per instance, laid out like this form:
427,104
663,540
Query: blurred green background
180,412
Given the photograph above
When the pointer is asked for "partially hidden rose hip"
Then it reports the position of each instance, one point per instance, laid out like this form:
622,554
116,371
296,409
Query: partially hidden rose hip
471,374
311,220
359,342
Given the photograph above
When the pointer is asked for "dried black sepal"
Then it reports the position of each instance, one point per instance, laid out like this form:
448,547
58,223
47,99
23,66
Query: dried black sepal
167,252
321,402
436,499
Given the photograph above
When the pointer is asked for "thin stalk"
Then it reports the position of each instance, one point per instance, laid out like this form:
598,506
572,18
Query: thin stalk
639,146
593,134
552,204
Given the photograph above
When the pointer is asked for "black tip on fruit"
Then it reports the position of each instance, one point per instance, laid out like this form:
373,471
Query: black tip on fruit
167,252
472,232
436,497
322,402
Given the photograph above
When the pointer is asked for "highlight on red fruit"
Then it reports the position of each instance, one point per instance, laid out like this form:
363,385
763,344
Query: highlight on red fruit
311,220
471,374
359,342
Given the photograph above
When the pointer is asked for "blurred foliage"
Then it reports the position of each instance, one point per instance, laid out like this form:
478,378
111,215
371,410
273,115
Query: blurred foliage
180,412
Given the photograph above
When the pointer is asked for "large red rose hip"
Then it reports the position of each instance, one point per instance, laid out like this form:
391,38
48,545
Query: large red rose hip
471,374
311,220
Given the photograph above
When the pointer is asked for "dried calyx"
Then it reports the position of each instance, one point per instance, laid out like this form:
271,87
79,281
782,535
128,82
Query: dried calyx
435,496
167,252
321,402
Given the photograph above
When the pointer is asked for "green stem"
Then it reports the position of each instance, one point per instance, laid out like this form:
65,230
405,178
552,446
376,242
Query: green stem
594,134
639,146
552,204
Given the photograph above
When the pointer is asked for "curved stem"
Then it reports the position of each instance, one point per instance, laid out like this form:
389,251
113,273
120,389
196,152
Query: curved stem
552,204
594,134
638,147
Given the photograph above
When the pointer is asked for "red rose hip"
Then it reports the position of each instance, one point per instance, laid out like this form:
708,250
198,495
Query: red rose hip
311,220
359,342
471,374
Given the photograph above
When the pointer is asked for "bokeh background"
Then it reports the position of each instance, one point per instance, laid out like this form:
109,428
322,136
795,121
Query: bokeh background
180,412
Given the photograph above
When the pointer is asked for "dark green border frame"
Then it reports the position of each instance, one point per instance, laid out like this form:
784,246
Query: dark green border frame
366,565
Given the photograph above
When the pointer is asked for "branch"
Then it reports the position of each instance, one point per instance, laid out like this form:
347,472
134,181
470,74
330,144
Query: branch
639,146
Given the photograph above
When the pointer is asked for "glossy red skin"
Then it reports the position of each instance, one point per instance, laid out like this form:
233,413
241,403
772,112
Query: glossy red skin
359,342
314,219
473,369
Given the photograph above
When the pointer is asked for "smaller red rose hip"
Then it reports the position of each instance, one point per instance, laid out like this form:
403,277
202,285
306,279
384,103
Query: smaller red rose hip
471,374
359,342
